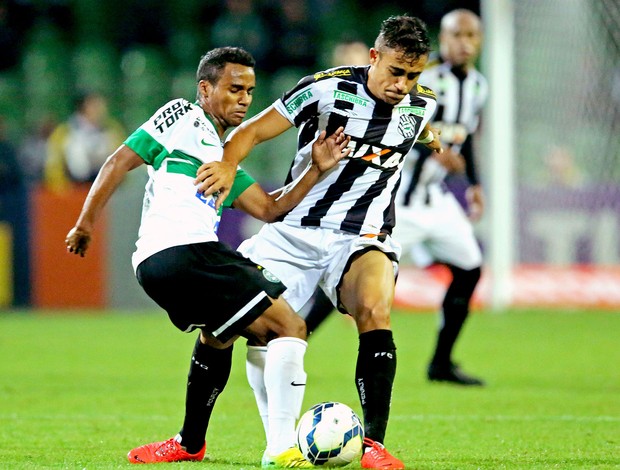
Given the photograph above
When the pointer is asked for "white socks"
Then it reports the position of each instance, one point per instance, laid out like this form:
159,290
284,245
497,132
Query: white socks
255,371
279,392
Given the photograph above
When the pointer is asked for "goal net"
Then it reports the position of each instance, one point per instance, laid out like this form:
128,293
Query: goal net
565,207
567,152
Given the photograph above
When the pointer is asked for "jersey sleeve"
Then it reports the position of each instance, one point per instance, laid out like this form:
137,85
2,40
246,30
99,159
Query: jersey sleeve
144,145
295,103
242,182
156,137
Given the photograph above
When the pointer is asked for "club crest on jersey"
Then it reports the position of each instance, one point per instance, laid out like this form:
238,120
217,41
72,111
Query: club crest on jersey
407,125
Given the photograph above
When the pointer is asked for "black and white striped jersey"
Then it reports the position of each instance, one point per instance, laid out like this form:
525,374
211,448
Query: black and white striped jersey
460,99
357,195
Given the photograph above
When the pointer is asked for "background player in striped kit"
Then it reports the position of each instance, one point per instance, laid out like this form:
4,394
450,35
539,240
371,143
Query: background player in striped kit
338,237
431,224
178,257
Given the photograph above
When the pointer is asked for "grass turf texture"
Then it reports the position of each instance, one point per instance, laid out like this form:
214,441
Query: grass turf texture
80,390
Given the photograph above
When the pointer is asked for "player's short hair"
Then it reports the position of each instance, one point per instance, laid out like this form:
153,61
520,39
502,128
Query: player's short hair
213,62
406,34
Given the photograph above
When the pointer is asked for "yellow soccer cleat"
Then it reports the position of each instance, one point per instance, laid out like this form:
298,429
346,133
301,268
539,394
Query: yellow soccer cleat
290,458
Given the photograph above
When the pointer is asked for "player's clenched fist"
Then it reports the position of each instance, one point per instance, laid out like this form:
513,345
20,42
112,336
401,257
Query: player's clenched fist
77,241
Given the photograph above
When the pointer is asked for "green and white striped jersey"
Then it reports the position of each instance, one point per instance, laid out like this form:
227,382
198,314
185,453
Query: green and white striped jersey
174,142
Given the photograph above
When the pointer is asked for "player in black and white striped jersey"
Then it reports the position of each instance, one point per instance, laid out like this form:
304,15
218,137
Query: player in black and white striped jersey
432,226
338,236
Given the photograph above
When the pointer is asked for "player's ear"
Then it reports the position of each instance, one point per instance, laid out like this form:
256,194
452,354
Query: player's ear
374,55
204,88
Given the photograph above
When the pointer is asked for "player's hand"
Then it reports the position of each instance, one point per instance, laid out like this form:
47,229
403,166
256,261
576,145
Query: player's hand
451,161
435,144
475,202
216,178
328,151
77,241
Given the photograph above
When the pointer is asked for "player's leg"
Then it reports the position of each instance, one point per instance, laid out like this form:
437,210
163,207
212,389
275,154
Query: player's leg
283,380
367,292
209,370
454,312
316,310
453,242
285,251
239,293
208,374
255,372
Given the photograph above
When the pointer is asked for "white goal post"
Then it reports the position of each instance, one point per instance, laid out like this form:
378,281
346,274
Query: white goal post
498,146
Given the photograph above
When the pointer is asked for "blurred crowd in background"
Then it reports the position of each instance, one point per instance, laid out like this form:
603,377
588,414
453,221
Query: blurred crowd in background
77,76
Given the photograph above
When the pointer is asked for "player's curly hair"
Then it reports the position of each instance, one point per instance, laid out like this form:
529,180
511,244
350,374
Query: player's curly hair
406,34
213,62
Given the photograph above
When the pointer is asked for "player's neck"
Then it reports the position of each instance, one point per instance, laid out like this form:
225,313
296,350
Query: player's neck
460,70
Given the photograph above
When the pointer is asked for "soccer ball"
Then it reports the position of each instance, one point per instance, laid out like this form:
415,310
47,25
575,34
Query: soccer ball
330,434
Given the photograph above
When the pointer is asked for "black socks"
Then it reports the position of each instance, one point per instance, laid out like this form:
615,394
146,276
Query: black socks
455,309
374,378
208,373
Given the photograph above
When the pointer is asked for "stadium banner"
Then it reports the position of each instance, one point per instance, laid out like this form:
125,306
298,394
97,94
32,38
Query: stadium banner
62,279
566,226
577,286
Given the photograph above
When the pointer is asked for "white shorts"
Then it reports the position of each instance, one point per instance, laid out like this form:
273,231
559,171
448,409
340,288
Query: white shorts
304,257
436,231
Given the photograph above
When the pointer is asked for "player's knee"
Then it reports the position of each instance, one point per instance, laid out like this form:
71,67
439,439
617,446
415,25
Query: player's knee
372,315
209,340
295,327
466,279
472,277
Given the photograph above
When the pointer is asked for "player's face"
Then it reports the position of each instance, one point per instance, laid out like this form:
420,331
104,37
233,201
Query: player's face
460,40
230,99
392,76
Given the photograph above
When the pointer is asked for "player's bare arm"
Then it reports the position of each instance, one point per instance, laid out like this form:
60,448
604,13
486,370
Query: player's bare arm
452,161
326,153
110,176
475,202
218,176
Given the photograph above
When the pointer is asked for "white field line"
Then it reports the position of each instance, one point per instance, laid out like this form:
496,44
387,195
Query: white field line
499,418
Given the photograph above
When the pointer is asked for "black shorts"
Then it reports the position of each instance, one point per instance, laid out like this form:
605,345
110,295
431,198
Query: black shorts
208,286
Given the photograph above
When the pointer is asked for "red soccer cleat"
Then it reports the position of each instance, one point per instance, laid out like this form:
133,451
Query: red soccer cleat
377,456
166,451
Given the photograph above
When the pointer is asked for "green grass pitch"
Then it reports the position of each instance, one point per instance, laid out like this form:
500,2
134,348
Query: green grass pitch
78,390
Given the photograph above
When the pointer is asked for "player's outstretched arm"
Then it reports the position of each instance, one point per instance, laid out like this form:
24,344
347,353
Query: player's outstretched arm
109,178
430,137
326,153
450,160
475,202
218,177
